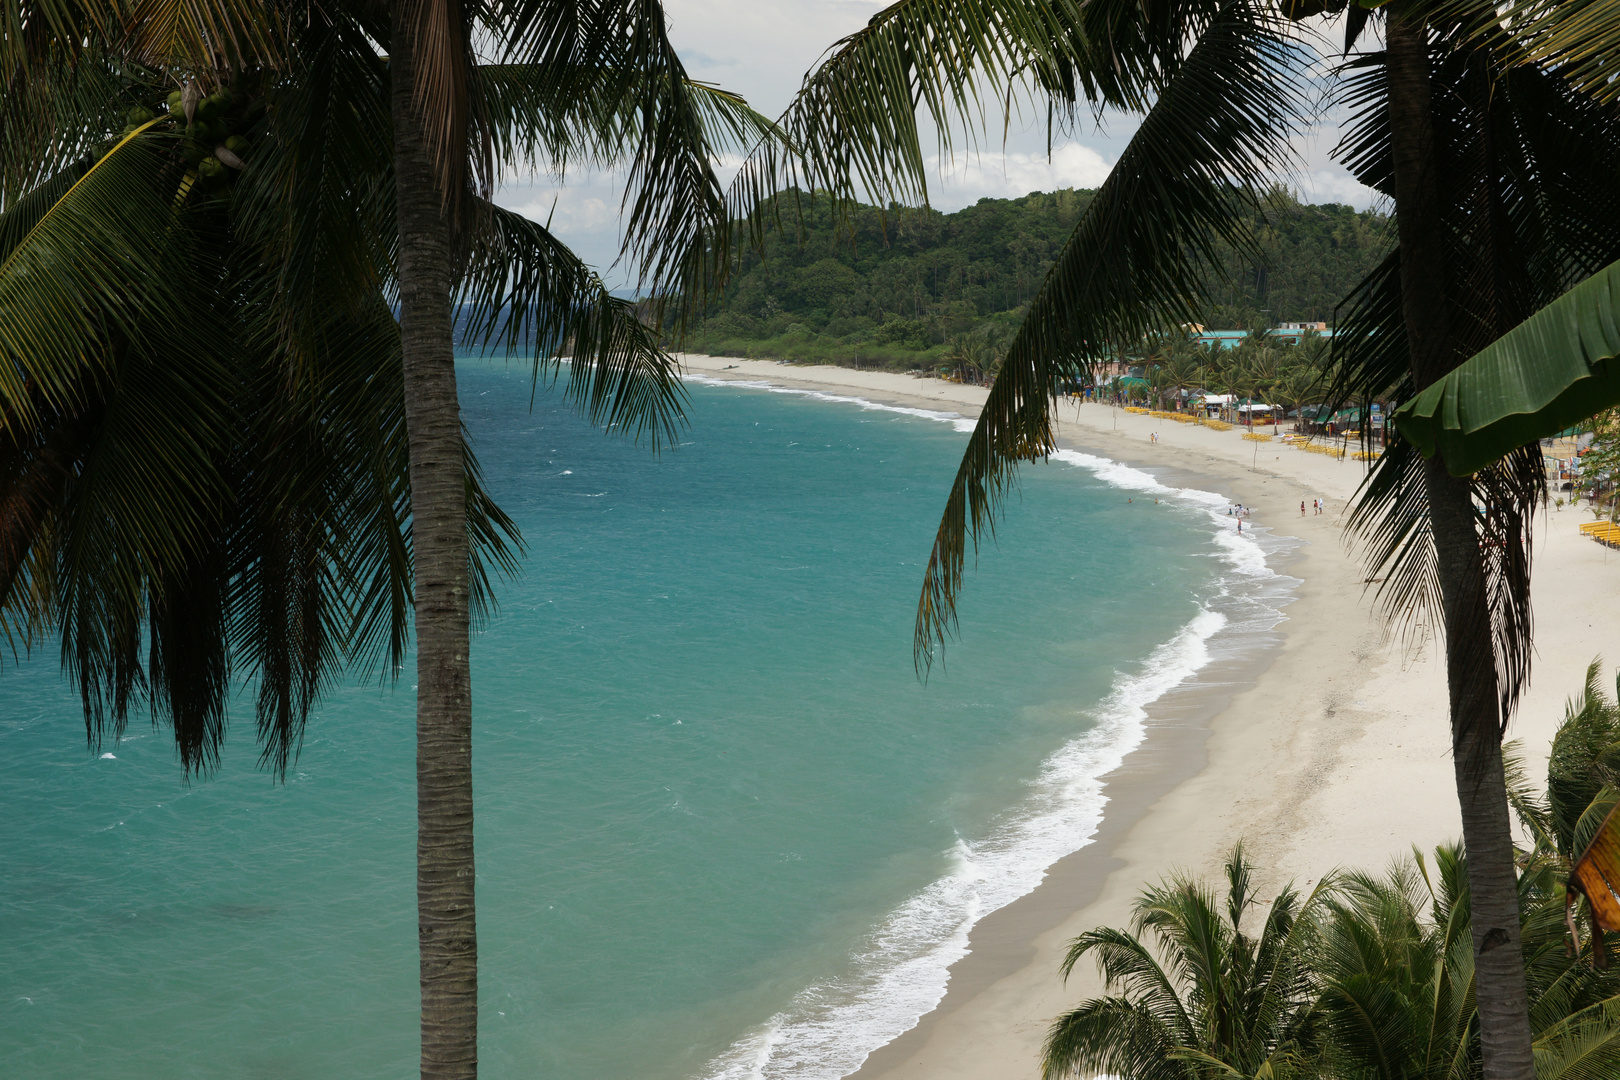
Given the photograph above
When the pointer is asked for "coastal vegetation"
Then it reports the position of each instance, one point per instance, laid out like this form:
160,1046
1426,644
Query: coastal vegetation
865,286
1261,367
1370,976
1600,466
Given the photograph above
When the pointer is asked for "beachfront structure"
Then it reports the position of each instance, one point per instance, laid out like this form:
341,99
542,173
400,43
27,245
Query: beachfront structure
1286,334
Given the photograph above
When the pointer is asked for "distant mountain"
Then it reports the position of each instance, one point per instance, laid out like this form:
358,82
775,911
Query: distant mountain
892,288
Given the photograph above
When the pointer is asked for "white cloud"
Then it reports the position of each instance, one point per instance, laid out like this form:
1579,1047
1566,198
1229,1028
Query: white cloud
569,212
1336,186
1003,176
761,48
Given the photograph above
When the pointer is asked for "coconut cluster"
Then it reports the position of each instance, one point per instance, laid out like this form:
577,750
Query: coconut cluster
209,122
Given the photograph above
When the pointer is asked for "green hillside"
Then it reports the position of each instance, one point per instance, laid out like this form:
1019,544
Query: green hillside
902,286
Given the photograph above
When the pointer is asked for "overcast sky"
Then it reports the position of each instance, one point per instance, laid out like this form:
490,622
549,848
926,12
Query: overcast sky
761,49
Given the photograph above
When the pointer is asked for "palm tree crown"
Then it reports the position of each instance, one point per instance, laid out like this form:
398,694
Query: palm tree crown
1214,1001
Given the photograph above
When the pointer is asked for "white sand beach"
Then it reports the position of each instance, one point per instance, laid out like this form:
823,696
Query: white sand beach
1333,751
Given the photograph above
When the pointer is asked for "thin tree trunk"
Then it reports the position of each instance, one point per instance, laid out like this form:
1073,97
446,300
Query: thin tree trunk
1476,739
446,928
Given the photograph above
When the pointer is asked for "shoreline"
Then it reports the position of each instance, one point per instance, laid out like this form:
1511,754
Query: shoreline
1329,750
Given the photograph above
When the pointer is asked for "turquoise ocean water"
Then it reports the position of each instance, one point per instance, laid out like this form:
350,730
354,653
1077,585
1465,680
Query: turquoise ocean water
723,830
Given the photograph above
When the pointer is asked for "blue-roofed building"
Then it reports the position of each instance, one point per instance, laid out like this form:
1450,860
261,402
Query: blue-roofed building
1287,333
1226,339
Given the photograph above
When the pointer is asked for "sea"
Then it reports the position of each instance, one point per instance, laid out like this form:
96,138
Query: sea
725,829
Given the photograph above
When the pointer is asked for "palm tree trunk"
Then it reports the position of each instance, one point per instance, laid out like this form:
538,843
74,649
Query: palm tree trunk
1476,733
444,797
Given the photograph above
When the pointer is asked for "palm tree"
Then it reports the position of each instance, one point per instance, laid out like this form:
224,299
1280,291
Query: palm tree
1384,973
1463,275
1162,380
605,76
1298,387
1182,364
279,500
1214,1002
974,355
1396,978
1227,380
1556,368
1484,237
1583,788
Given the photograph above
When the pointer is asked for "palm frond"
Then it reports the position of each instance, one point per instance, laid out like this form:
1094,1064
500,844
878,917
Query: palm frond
1528,805
609,73
1559,367
431,45
58,111
206,37
1585,1046
959,63
526,291
542,118
315,207
1127,964
1113,1036
1136,260
1583,40
105,247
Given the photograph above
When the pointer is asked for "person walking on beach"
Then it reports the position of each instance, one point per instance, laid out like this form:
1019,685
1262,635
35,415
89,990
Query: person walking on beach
1302,508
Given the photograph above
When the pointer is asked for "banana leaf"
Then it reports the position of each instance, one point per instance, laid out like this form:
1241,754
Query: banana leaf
1555,369
1597,873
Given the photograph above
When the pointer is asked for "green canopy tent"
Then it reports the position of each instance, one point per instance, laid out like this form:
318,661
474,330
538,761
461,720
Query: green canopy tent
1124,385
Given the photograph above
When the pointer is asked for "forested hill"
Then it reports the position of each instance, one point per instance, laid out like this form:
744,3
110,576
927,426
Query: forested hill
909,282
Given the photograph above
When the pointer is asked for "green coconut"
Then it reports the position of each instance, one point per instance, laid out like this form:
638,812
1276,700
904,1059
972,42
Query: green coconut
236,145
175,105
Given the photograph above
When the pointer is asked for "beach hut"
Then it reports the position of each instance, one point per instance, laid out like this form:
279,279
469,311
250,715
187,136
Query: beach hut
1212,404
1253,412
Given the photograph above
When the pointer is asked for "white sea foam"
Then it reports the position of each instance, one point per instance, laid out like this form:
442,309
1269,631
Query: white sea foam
901,970
956,420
